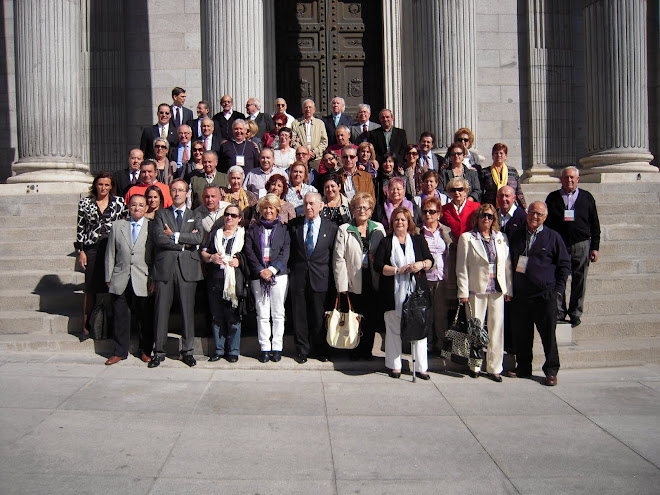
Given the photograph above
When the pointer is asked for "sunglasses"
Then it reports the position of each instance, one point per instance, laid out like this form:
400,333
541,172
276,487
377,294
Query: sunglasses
232,215
198,150
456,189
463,140
429,212
456,154
412,153
349,157
160,147
486,216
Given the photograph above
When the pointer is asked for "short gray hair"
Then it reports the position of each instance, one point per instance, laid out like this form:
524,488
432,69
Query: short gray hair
238,121
571,167
236,169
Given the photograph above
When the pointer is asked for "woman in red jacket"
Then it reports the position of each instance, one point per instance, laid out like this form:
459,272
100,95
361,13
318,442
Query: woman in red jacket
458,213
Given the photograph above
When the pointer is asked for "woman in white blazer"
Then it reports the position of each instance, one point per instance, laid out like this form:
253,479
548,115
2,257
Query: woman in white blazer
355,245
483,276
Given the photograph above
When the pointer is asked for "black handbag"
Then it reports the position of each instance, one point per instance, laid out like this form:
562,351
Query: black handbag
416,315
458,345
475,330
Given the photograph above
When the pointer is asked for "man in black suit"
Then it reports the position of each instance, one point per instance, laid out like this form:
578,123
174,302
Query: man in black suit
312,243
183,152
164,128
335,119
203,110
388,138
263,120
125,179
224,120
427,158
175,233
180,114
360,131
209,137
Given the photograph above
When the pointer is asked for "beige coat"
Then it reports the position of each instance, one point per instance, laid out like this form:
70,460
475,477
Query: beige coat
472,265
347,258
319,138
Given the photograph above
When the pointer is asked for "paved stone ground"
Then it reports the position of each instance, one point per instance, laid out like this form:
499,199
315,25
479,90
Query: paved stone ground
69,424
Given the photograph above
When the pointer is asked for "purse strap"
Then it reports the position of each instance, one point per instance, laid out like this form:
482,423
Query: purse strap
350,305
470,308
458,310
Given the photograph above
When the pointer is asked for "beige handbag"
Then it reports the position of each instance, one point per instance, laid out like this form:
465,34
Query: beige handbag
343,328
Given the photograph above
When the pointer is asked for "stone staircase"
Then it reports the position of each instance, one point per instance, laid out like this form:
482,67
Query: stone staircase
41,293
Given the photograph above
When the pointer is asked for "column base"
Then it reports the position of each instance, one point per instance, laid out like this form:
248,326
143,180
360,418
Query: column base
39,172
540,174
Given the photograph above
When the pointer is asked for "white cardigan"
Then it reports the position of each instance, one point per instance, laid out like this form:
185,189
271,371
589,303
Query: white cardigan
347,258
472,265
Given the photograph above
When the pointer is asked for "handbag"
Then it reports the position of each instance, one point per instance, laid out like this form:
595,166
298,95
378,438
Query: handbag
343,327
457,345
416,315
475,330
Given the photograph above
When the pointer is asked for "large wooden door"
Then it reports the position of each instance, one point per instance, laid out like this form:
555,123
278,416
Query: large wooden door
328,48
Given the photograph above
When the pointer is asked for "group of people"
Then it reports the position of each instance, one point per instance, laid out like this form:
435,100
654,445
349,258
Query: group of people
301,210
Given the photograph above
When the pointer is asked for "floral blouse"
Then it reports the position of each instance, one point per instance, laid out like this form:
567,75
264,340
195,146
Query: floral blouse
94,225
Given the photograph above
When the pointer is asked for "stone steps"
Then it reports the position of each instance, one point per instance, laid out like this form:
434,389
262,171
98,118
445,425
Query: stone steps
28,322
47,263
595,328
623,283
60,300
52,210
32,280
617,209
622,249
31,233
66,222
621,265
38,247
621,304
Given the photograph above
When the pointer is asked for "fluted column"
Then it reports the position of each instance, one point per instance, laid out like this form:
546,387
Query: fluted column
616,88
446,78
49,91
392,58
233,51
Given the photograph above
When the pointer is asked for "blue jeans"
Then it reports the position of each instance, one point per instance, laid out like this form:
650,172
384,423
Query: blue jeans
225,320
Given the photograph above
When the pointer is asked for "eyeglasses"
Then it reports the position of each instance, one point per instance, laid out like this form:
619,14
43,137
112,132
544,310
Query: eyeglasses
429,212
457,153
487,216
456,189
463,140
535,214
302,154
160,147
349,157
232,215
362,208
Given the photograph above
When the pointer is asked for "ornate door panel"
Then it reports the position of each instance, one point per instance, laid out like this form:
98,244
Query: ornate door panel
328,48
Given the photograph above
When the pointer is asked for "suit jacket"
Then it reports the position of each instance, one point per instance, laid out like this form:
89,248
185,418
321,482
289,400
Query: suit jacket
197,185
436,165
279,250
122,181
319,138
517,222
472,267
446,174
358,136
398,142
124,260
330,126
150,133
316,267
187,115
459,223
223,126
167,255
264,122
196,132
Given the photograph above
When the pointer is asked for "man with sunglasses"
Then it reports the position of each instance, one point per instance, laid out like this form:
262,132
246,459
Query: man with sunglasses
165,128
353,179
541,266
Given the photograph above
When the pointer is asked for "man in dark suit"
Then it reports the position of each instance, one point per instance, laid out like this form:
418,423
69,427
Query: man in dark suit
124,179
175,233
224,120
335,119
164,128
427,159
212,142
312,243
203,110
360,131
388,138
180,114
182,153
263,120
126,273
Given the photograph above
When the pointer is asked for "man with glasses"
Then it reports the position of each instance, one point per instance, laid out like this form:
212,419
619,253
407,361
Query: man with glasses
303,156
225,119
183,152
541,267
280,108
353,179
165,128
263,120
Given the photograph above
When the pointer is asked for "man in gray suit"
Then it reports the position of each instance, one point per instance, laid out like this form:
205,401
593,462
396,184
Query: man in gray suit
360,131
175,233
126,273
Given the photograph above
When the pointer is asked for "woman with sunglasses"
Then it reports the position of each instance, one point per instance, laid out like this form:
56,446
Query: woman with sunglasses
457,168
500,174
483,276
225,284
412,168
267,251
165,169
440,242
271,138
330,162
471,157
193,167
458,213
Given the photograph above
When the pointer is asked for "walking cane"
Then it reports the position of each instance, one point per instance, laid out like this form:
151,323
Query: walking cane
412,353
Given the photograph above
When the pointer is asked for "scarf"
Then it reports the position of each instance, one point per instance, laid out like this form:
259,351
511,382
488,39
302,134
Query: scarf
389,208
404,283
243,201
229,290
502,180
263,226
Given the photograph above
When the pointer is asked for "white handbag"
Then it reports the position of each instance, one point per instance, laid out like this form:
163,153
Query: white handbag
343,328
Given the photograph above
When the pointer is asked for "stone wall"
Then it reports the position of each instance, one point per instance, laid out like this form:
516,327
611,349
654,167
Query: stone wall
8,136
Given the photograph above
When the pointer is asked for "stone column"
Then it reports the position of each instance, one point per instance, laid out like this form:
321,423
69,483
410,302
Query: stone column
49,91
616,91
270,58
233,51
446,77
392,59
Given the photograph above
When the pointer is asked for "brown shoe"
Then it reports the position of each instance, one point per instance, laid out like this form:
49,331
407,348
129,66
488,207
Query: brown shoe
114,360
510,374
145,358
550,380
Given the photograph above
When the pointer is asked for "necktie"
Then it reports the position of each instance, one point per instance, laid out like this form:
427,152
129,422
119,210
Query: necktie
309,239
135,230
207,145
179,219
185,157
176,115
336,120
364,127
134,176
162,132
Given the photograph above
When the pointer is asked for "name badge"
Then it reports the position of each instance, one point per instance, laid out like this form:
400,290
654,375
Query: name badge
521,267
365,260
569,215
267,254
240,160
491,270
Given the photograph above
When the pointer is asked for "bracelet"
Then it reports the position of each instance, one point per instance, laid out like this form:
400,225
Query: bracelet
396,270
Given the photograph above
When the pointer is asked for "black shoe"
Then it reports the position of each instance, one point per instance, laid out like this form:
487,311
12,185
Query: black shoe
473,374
301,359
495,378
84,336
276,356
265,357
189,360
575,322
215,357
395,374
155,362
423,376
232,358
323,359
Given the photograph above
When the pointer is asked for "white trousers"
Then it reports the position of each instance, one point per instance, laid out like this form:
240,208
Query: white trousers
495,305
270,306
393,345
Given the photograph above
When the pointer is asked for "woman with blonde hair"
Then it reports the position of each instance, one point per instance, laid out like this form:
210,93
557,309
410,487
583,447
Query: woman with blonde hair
367,158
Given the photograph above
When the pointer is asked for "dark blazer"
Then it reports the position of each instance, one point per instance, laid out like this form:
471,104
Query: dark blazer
122,181
358,136
517,222
279,250
167,254
383,257
398,142
196,132
187,115
223,126
469,175
150,133
316,267
330,126
264,122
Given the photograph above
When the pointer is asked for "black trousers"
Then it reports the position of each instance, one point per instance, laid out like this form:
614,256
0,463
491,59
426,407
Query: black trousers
308,321
542,312
122,307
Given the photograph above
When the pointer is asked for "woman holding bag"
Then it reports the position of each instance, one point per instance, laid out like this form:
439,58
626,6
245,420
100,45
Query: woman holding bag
355,245
402,253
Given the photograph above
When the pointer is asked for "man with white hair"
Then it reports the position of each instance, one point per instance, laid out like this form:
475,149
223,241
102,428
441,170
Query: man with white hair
572,212
310,132
280,107
360,131
264,121
336,118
